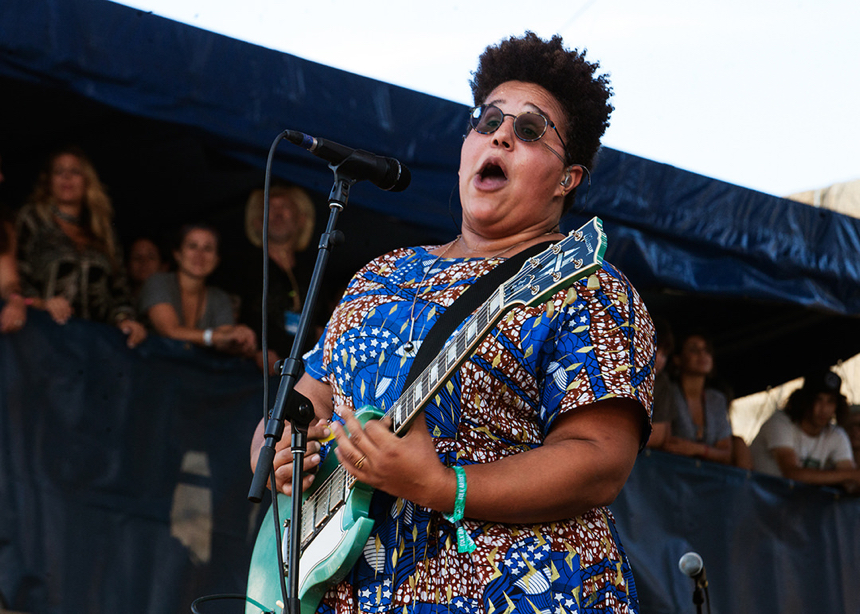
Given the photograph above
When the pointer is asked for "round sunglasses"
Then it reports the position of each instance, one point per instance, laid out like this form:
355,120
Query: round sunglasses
528,125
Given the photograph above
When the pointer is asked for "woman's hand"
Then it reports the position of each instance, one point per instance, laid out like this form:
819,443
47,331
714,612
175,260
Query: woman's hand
234,338
407,467
59,308
245,340
319,394
283,460
134,330
14,314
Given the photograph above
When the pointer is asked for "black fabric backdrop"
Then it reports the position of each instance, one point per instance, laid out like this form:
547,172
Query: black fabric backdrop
92,435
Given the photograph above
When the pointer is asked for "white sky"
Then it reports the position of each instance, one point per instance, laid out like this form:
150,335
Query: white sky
760,93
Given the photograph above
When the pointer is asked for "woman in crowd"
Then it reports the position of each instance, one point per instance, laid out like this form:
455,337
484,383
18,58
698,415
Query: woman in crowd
697,411
180,305
69,256
495,498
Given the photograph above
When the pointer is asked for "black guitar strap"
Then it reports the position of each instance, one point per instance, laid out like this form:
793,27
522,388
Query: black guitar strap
463,307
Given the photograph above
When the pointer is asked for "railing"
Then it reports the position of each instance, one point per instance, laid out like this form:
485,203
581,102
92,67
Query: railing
124,476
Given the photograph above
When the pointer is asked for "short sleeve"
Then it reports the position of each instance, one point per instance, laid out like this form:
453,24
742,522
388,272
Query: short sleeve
156,290
719,427
842,446
665,409
604,348
313,359
777,432
220,309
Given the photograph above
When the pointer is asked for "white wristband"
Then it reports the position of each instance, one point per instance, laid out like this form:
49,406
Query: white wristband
207,337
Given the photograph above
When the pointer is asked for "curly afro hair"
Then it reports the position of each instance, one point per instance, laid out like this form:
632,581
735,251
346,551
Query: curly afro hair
566,75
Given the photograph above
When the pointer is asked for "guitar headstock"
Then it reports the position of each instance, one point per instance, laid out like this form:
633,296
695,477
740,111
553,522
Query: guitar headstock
579,254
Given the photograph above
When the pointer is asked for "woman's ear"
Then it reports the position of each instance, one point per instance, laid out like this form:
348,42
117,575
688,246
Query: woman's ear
571,178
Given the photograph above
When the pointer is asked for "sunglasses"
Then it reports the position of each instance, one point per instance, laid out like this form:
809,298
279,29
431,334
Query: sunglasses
528,126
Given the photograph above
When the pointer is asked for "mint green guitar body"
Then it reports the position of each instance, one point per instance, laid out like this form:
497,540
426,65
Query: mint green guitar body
334,549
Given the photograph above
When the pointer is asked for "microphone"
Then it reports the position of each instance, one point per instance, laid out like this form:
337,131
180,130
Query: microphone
692,565
386,173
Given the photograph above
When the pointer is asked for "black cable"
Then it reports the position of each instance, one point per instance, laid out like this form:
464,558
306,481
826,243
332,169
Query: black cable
265,350
264,330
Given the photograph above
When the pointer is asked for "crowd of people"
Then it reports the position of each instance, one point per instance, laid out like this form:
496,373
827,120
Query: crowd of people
815,438
60,253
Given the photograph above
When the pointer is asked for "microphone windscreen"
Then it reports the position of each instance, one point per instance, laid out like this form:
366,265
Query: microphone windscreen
691,564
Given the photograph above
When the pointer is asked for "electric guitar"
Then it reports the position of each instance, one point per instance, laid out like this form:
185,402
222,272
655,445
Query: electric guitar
335,526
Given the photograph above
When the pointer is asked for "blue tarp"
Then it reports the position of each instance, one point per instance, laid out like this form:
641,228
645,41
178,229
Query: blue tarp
93,435
668,228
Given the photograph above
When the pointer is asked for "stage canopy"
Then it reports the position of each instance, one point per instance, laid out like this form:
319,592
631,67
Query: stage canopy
179,122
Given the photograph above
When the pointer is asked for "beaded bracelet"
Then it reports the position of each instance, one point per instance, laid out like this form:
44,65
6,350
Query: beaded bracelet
465,543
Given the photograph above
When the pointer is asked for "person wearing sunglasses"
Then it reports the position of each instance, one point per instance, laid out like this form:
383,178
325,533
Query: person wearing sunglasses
494,500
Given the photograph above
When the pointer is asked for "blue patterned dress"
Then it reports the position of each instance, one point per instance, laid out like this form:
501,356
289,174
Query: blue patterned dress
538,363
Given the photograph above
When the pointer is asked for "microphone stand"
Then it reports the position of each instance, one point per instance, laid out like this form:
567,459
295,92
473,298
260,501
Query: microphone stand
698,598
292,405
700,593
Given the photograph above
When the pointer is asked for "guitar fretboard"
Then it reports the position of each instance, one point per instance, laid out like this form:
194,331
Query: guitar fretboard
579,254
455,351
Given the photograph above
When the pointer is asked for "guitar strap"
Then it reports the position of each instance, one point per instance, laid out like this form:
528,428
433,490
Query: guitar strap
463,307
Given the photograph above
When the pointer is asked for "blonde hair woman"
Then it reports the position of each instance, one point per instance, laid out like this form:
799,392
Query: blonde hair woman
68,253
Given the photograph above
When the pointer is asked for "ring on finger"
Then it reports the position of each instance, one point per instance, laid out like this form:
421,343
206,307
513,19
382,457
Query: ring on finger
360,462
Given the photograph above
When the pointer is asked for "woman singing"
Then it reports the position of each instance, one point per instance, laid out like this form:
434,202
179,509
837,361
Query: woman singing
540,427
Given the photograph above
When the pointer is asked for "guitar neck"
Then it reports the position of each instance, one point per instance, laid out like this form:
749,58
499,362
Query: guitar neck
439,371
559,266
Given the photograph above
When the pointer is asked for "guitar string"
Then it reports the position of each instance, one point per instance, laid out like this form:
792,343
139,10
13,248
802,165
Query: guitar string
339,480
483,312
340,476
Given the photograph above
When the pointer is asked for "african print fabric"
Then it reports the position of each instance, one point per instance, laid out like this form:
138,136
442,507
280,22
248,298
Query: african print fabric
538,363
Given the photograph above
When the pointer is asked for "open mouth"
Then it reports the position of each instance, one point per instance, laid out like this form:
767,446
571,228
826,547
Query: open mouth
491,171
